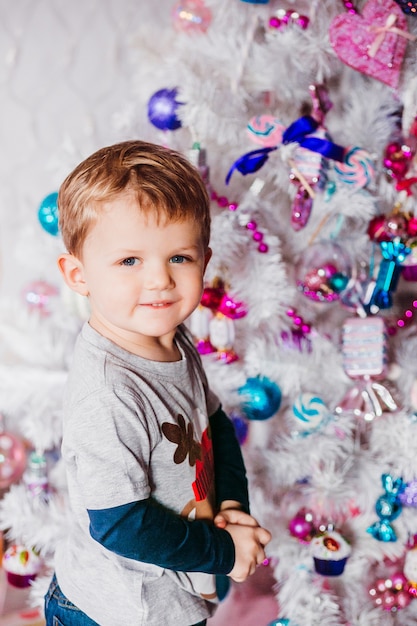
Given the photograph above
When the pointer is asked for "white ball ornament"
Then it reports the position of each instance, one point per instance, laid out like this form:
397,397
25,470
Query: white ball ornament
309,413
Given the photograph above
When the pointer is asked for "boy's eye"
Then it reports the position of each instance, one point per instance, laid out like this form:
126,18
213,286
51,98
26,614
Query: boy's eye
131,260
178,258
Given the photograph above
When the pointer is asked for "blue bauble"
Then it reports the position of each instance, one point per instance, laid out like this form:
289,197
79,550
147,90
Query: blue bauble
262,398
162,109
48,214
388,508
280,622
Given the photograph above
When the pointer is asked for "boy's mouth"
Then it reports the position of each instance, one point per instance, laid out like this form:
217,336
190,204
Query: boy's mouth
157,305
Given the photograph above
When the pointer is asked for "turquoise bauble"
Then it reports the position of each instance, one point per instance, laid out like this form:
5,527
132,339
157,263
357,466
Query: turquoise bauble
262,398
48,214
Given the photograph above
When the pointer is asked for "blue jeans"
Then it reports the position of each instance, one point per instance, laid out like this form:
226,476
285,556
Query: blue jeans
59,611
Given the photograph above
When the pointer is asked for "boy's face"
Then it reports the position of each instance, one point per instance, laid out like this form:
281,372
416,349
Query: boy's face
143,279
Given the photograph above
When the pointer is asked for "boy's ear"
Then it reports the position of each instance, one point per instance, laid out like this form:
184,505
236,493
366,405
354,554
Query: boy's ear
207,258
72,270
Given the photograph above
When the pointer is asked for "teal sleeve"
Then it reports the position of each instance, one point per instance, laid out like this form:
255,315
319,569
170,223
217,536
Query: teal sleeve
148,532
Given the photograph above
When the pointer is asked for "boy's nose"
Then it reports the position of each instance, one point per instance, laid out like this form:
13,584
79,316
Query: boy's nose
158,277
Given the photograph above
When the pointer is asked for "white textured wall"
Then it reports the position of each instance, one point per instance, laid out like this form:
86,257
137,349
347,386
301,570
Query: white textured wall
65,78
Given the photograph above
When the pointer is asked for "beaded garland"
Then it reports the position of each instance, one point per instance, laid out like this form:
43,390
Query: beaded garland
250,225
283,18
403,321
349,6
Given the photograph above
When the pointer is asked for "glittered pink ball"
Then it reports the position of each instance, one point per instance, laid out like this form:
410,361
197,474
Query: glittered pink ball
299,527
403,599
397,160
303,21
329,269
380,585
388,600
399,581
191,16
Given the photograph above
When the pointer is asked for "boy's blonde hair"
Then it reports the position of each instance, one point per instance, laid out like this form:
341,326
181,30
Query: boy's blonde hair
163,180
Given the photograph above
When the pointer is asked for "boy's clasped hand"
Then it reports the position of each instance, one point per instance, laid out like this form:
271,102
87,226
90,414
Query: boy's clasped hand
249,539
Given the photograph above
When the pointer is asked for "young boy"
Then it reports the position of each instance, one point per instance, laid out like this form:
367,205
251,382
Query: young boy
151,458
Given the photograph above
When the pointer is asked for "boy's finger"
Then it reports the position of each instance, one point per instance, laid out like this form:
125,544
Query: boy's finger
264,536
220,521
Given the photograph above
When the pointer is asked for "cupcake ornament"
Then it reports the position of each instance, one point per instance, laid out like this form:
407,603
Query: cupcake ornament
330,553
21,565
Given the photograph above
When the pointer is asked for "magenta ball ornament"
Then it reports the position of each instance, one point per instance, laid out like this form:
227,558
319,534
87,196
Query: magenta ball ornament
191,16
301,526
162,109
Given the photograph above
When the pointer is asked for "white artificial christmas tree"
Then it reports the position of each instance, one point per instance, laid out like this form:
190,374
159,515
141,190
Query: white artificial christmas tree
306,327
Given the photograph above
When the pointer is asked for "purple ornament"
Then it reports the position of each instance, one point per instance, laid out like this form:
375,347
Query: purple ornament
162,109
408,497
241,427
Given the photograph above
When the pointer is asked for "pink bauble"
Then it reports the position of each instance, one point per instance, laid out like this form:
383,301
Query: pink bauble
388,600
397,160
300,527
39,296
212,297
403,599
12,459
380,585
399,581
191,16
329,269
